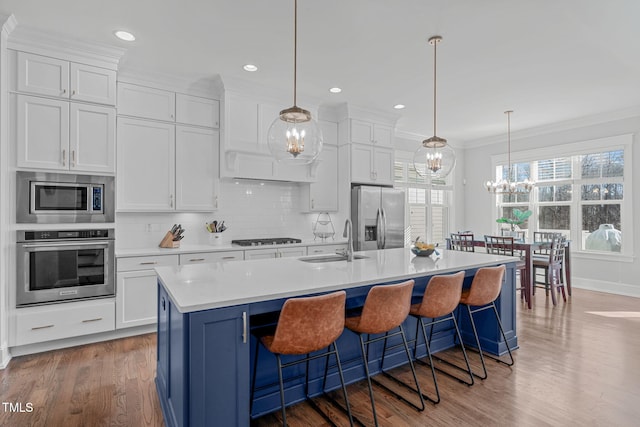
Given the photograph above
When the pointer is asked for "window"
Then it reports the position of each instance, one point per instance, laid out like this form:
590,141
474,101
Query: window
580,192
428,202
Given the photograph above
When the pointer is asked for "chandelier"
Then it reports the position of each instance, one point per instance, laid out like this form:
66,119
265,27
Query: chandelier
294,137
509,185
434,158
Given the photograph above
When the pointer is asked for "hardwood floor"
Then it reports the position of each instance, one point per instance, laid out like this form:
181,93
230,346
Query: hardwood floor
577,365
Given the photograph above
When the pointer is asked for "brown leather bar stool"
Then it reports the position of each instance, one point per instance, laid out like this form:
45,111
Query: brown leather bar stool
307,325
440,300
482,294
384,310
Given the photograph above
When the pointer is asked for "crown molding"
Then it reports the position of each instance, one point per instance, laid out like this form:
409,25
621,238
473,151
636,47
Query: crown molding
350,111
9,24
581,122
210,87
36,41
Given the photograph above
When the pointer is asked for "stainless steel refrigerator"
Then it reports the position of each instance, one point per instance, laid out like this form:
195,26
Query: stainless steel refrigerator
377,214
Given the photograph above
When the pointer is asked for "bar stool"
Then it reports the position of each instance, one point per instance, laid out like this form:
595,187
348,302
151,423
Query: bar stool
307,325
485,289
384,310
440,300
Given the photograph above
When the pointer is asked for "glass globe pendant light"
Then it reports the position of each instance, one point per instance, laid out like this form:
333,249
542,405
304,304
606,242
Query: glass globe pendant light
294,137
434,158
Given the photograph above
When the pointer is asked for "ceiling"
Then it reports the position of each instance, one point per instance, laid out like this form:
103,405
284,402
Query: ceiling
550,61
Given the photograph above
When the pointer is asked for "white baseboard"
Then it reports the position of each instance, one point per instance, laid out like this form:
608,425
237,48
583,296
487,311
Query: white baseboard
608,287
5,357
87,339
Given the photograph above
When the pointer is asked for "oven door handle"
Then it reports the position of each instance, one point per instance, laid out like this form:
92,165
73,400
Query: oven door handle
61,244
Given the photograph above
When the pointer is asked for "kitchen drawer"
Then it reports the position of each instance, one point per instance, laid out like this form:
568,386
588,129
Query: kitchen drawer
325,249
206,257
52,322
146,262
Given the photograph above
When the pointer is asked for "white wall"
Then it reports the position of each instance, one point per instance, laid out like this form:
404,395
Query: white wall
619,276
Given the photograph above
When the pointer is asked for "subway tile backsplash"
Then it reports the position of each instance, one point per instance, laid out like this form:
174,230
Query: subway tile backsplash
250,209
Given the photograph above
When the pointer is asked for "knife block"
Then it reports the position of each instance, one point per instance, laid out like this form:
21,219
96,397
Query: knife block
168,242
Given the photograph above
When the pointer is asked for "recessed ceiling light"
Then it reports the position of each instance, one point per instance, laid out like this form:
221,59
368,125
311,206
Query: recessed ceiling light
250,67
125,35
335,90
399,106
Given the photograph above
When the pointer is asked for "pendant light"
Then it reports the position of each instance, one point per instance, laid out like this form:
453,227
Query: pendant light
434,158
510,184
294,137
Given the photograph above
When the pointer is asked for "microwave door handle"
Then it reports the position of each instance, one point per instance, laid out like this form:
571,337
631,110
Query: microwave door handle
64,244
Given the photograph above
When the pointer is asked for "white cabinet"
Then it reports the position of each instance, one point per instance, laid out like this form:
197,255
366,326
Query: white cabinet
146,165
62,79
196,168
364,132
164,167
52,322
158,104
209,257
275,253
371,165
322,194
55,134
325,249
137,288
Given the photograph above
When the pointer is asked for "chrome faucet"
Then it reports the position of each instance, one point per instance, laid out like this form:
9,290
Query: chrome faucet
348,233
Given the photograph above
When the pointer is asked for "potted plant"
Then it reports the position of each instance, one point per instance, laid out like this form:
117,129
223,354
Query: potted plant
519,217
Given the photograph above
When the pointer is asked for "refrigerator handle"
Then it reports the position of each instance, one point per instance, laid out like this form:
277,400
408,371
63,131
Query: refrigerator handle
379,229
384,229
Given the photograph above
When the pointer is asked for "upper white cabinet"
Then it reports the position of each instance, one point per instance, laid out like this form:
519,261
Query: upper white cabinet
53,77
371,165
322,194
158,104
363,132
56,134
181,165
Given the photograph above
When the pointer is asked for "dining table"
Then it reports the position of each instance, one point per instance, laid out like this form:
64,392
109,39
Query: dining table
527,250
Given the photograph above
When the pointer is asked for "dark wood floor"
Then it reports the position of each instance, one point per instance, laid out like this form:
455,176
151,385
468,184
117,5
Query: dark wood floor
574,367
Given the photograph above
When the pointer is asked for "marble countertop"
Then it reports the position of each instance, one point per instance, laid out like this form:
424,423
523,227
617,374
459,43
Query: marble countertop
196,248
223,284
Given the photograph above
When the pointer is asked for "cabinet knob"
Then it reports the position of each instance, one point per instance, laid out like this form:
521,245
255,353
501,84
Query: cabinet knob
73,92
64,91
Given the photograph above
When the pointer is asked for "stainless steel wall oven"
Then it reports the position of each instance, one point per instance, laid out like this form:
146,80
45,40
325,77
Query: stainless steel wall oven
60,265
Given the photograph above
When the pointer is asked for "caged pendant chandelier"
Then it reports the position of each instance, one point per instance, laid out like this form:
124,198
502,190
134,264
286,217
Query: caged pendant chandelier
294,137
510,184
434,158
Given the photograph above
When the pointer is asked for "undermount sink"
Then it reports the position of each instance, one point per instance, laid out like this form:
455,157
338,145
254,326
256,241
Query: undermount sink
330,258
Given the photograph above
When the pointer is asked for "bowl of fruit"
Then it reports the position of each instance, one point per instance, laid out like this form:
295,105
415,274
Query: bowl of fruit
423,249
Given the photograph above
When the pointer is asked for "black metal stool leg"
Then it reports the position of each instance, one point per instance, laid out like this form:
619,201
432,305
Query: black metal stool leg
475,334
365,359
253,380
281,381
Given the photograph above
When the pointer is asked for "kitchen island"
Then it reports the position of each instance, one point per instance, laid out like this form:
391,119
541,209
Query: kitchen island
206,314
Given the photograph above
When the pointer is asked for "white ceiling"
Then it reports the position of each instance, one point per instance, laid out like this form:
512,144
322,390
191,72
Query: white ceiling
549,60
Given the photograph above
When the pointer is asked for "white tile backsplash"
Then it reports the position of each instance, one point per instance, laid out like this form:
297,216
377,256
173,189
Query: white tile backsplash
250,209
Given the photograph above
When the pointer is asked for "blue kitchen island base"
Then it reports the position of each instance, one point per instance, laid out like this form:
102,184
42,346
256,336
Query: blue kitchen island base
205,357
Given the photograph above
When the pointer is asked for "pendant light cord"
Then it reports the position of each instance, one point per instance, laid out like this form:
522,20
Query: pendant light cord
435,44
295,51
508,113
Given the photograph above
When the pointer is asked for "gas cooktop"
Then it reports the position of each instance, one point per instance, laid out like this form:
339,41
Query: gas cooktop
266,241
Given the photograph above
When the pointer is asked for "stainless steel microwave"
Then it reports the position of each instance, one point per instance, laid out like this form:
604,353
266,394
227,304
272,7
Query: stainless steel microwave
44,197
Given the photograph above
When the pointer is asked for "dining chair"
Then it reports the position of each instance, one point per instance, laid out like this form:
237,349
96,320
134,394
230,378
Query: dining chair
553,267
502,245
462,242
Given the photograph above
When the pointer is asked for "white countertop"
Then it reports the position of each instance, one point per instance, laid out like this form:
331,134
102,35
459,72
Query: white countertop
224,284
195,248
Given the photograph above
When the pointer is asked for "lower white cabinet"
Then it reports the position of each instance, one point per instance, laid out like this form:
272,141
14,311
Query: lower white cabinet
275,253
137,289
325,249
65,320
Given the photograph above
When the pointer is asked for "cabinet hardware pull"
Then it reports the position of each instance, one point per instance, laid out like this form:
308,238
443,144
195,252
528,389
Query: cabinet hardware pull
64,91
97,319
228,257
149,263
73,92
64,157
163,304
244,327
41,327
73,158
171,200
196,259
